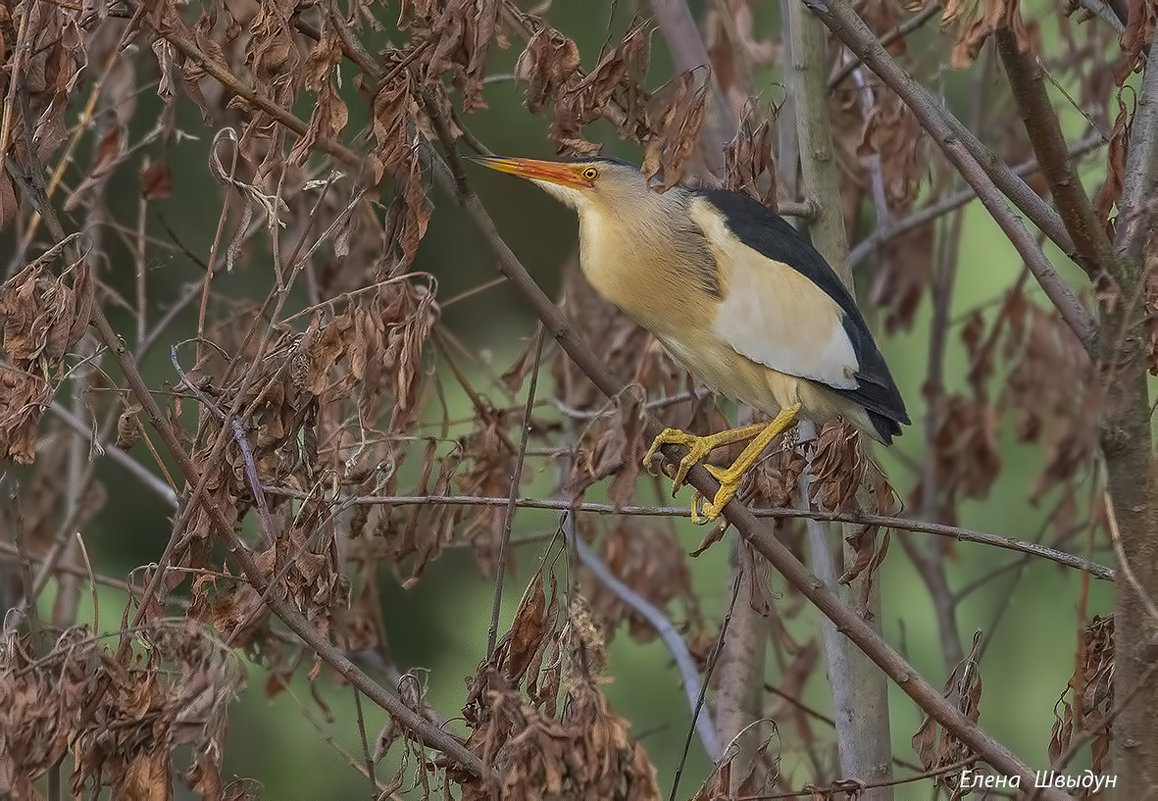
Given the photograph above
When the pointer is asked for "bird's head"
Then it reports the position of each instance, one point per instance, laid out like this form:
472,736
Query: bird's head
594,185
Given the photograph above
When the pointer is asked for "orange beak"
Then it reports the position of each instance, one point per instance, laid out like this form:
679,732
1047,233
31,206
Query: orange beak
563,174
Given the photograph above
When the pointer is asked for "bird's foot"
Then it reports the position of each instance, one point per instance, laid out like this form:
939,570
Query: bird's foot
698,448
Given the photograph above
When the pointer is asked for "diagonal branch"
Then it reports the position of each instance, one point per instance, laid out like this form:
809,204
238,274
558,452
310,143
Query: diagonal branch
1041,123
988,177
430,734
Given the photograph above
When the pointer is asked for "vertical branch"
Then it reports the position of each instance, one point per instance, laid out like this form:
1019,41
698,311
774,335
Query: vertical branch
741,669
1130,463
516,478
859,689
808,88
1140,182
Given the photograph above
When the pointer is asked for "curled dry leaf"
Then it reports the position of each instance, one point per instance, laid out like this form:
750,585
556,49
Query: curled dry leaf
612,445
679,108
936,746
457,35
1090,708
492,458
43,316
1111,189
123,721
329,115
749,162
1138,35
977,20
550,65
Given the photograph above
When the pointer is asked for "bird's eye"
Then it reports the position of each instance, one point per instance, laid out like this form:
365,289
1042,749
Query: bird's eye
591,173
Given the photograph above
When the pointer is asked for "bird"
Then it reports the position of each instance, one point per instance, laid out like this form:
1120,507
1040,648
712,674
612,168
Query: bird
736,295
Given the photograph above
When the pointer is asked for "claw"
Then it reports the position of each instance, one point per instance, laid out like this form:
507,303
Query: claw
699,448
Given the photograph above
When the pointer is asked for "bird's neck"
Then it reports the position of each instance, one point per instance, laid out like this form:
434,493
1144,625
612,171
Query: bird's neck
652,265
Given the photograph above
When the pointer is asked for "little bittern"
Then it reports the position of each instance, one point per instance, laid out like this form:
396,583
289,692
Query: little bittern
735,294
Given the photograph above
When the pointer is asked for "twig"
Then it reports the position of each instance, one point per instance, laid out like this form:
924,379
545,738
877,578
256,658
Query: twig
855,787
939,529
904,29
512,505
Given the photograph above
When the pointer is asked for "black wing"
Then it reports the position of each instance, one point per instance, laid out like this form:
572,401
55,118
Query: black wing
770,235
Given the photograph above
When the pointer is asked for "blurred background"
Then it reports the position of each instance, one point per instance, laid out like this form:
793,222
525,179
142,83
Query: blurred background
289,737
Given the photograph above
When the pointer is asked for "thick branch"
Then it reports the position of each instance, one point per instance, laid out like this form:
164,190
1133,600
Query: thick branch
1041,123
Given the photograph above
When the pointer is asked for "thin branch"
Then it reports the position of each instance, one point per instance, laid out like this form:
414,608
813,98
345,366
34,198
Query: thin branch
938,529
904,29
516,477
953,202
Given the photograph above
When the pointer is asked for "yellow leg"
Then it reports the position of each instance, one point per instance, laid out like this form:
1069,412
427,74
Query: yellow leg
730,478
698,447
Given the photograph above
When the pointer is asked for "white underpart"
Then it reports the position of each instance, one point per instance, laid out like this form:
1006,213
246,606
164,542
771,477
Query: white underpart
773,314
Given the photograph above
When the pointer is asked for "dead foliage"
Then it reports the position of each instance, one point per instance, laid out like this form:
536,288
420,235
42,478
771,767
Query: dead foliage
122,717
936,746
44,316
1089,708
976,20
536,713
